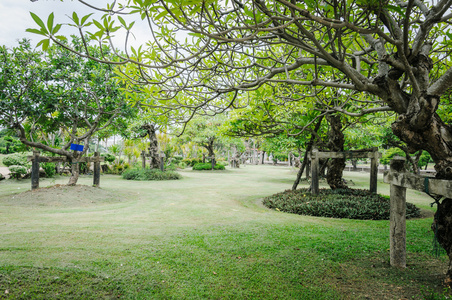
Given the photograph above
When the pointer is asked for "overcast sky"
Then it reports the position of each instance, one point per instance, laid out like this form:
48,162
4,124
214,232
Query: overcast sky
15,18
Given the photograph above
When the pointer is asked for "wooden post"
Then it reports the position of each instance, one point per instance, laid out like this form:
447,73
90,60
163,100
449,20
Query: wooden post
315,172
143,158
96,176
35,171
374,171
213,161
398,217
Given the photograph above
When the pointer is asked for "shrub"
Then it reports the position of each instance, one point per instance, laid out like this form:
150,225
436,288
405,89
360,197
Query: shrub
348,203
108,157
150,174
182,165
192,161
17,171
207,166
118,169
15,159
49,168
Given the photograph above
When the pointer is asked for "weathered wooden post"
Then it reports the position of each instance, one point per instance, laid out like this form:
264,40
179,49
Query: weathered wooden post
143,158
374,170
96,176
397,239
315,172
35,170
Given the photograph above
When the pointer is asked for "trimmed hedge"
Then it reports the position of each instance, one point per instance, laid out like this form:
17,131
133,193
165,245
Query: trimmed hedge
207,166
150,174
347,203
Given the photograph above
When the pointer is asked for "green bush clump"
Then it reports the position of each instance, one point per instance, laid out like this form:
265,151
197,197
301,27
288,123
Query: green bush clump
150,174
108,157
15,159
347,203
49,169
18,171
192,161
207,166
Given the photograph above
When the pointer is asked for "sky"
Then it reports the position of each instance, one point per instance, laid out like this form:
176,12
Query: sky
15,18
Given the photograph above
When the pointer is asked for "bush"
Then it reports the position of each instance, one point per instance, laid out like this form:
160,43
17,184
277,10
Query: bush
192,161
348,203
49,168
150,174
118,169
108,157
18,171
207,166
15,159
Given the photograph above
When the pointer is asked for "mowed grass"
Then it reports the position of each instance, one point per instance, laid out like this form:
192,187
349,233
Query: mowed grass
206,236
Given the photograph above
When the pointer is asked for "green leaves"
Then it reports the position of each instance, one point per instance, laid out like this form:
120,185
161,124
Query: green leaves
48,31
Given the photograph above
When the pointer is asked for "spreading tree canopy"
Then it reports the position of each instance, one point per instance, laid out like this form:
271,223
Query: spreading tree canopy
374,55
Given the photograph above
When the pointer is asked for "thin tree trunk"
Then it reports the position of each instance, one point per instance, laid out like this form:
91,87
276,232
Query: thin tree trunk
301,170
305,159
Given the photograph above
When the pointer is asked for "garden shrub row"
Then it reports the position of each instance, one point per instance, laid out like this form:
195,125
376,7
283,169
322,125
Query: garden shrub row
150,174
207,166
347,203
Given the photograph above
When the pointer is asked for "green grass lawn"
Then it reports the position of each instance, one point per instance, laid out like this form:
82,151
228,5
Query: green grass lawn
206,236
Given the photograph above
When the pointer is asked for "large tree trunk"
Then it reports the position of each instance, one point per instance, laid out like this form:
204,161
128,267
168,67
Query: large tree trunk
153,146
336,144
421,128
210,149
443,231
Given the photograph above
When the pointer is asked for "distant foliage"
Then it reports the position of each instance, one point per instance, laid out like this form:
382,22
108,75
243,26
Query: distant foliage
108,157
49,169
118,168
192,161
15,159
207,166
10,144
349,204
150,174
389,154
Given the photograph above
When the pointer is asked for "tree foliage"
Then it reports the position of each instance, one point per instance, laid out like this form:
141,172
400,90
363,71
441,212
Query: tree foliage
57,91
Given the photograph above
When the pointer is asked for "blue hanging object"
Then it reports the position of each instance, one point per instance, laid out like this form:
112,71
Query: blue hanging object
76,147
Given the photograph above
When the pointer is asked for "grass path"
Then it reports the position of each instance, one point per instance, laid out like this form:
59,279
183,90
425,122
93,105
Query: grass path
203,237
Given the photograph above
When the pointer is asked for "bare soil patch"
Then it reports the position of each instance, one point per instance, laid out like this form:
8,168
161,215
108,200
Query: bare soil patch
63,196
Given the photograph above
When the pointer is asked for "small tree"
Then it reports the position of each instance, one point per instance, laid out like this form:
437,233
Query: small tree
57,91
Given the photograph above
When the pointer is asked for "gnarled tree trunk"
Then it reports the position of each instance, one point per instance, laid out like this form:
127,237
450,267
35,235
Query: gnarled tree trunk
153,146
209,146
421,128
336,144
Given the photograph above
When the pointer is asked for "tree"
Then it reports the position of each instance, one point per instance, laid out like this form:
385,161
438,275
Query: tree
57,91
395,53
205,133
